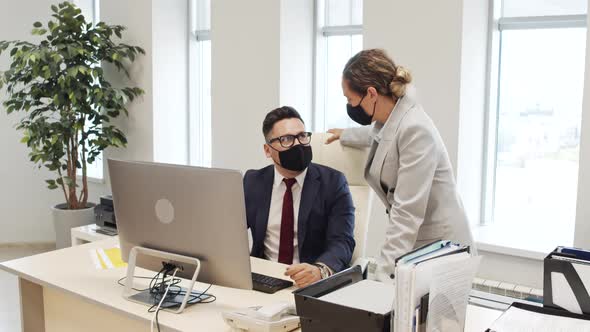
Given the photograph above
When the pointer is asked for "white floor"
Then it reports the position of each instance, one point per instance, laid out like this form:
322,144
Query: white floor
9,299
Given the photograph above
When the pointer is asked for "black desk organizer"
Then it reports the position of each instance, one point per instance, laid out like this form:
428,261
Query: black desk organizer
319,316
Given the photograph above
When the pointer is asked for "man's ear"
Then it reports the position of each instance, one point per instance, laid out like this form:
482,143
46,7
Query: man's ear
267,150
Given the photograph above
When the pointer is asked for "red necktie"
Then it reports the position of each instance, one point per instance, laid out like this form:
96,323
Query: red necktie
287,225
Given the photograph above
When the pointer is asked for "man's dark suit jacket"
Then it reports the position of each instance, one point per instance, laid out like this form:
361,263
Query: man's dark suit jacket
326,215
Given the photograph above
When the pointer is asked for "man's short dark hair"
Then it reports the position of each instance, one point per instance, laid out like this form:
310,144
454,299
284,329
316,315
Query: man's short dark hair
276,115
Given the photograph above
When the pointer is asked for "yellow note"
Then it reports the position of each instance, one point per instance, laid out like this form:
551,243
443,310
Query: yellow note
109,258
114,254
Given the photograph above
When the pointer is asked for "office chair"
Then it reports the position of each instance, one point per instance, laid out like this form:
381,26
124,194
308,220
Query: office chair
351,162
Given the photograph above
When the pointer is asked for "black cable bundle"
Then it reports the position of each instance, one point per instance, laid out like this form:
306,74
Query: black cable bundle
157,289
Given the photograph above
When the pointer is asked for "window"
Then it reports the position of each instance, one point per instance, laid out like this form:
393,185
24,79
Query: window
339,38
200,83
90,10
534,124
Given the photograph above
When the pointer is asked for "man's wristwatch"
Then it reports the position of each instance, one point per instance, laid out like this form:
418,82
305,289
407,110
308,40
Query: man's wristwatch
324,271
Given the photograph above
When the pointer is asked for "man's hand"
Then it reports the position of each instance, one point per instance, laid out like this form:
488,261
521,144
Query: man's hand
303,274
335,135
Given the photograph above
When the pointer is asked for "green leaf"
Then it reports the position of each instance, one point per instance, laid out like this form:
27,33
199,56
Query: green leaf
51,184
37,24
54,8
117,142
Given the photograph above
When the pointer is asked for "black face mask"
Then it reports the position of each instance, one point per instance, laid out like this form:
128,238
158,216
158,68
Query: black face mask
358,114
296,158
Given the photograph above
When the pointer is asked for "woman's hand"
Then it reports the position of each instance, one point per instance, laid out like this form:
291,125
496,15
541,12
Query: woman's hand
335,135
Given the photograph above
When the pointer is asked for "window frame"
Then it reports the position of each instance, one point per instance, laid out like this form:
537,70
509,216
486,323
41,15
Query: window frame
320,58
496,26
95,5
196,143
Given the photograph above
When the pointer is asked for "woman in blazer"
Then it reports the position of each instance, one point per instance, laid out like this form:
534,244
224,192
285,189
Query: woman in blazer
408,165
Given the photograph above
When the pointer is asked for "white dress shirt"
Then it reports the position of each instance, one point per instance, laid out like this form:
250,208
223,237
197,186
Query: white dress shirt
273,230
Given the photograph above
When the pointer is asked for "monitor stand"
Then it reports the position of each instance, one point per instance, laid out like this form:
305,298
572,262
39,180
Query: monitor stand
148,299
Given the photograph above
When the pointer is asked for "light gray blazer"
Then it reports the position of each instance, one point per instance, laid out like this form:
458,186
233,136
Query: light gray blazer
409,168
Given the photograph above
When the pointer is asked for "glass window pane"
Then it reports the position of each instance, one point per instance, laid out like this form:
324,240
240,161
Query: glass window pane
338,12
514,8
357,12
339,50
540,104
87,8
94,170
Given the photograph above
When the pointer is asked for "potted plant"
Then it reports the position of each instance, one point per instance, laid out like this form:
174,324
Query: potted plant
67,106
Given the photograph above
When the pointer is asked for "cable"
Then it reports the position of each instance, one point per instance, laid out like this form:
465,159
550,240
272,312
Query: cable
162,300
172,290
135,289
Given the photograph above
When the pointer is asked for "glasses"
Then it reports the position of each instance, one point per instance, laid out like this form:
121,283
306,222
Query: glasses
288,141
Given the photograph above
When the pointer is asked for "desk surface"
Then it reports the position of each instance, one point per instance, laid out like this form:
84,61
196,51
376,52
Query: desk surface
72,271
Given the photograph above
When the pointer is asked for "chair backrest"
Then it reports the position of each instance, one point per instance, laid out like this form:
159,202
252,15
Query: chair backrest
351,162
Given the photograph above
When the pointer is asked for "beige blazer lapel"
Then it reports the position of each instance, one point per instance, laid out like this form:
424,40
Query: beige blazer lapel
383,143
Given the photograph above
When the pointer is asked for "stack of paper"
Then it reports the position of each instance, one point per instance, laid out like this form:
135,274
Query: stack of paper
438,276
368,295
521,317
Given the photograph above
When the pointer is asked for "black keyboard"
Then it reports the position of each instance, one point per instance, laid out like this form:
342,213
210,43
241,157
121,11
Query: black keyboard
268,284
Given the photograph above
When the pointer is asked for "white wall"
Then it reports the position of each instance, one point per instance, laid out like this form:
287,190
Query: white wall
170,61
245,79
157,128
136,15
511,269
582,232
297,53
428,43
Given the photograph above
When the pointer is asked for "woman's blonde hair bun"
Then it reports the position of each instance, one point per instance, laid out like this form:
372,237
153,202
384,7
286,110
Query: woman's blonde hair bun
402,78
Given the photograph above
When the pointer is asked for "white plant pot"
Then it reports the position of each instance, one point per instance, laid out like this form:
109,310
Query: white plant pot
64,220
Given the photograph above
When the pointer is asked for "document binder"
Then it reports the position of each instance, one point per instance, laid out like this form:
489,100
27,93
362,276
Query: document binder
566,280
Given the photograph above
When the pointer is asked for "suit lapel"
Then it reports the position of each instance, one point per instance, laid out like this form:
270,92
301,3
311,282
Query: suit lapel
381,150
309,192
382,145
264,207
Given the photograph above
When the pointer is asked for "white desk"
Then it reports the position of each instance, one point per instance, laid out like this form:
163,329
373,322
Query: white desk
87,233
63,291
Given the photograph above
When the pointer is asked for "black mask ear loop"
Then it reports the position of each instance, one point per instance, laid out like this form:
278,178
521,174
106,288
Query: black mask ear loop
359,104
374,106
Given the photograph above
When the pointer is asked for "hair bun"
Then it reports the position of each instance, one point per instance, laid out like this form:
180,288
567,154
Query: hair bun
399,82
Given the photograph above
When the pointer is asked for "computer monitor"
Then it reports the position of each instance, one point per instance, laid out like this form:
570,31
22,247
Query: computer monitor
191,211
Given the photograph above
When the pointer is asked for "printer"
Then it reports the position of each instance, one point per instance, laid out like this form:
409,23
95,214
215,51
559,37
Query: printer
104,213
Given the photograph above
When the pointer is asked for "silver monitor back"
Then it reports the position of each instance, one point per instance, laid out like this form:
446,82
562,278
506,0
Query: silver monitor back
192,211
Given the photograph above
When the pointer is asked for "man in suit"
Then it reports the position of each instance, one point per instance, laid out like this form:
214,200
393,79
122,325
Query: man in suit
300,213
